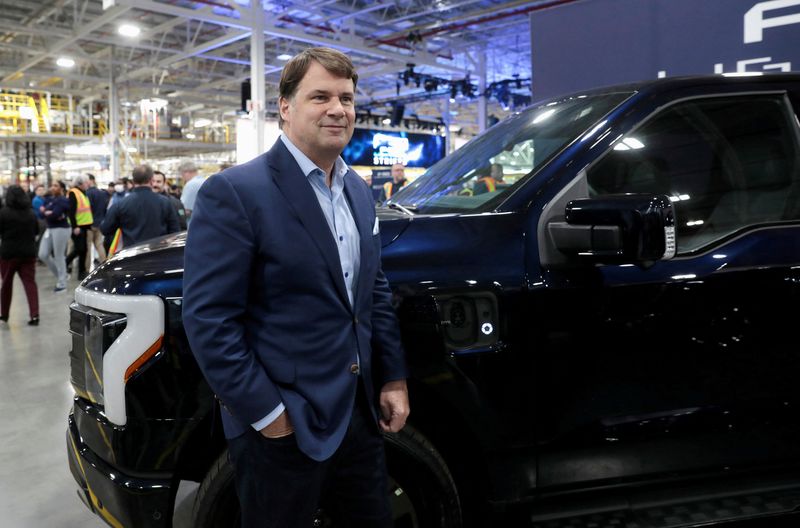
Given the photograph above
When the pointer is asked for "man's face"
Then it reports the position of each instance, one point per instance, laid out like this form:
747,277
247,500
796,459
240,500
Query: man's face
55,189
321,115
157,183
398,172
188,175
497,172
39,191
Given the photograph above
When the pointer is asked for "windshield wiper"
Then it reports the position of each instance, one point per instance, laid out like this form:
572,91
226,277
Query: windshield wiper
407,210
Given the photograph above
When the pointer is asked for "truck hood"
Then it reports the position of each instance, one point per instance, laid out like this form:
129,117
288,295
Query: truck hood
156,266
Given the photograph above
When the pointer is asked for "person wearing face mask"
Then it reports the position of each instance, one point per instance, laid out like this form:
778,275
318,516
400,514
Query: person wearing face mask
120,192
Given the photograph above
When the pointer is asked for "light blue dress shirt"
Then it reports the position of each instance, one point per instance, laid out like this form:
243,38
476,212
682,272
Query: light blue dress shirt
343,228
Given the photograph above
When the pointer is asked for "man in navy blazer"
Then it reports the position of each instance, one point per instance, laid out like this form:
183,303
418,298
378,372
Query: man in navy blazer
289,314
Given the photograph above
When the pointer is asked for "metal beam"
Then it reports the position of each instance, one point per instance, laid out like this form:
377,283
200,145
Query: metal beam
95,24
197,50
257,87
345,43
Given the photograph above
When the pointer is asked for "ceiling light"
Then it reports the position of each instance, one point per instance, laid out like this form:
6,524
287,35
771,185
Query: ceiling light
65,62
284,57
129,30
202,122
387,121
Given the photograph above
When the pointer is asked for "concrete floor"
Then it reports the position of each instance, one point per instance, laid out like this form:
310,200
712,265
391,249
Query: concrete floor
36,486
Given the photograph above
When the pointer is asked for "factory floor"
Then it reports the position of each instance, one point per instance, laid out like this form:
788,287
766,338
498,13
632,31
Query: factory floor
36,487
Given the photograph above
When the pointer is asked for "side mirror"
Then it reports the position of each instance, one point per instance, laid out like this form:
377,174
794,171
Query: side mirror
624,228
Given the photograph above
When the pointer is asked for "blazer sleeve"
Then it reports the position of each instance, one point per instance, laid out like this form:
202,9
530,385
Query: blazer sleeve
216,284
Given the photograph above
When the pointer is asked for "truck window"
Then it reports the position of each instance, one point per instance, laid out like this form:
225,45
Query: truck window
726,163
477,177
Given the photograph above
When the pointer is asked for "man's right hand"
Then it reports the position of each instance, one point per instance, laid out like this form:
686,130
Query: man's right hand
282,426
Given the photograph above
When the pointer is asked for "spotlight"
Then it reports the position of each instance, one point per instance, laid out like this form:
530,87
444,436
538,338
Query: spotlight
65,62
129,30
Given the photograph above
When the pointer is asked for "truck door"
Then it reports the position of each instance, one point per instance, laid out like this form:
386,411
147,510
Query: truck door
689,365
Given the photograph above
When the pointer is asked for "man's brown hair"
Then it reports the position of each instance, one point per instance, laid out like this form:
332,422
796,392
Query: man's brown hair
332,60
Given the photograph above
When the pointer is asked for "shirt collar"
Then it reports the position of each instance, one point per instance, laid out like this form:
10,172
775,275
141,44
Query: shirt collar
307,166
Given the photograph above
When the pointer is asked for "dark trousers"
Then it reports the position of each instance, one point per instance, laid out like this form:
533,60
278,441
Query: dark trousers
79,250
26,267
281,487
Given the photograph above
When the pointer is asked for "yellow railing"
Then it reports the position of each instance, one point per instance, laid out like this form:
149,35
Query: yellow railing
42,113
19,113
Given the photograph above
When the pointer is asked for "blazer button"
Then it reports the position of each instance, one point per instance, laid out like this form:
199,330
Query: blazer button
355,320
354,369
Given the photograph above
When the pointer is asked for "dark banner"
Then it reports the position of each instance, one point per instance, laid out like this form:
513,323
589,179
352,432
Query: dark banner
593,43
381,148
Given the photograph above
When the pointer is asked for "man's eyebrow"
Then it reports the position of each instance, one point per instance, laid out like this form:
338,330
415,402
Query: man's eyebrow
312,93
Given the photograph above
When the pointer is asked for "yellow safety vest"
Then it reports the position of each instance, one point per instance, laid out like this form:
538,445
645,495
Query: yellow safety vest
489,183
83,215
387,188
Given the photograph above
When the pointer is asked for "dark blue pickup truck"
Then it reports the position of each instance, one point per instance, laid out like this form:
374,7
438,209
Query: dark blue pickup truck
603,333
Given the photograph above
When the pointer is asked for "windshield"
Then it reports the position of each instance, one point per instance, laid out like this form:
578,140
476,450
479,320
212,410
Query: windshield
477,176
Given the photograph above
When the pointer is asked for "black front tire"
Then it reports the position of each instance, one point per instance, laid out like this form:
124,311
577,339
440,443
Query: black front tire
421,489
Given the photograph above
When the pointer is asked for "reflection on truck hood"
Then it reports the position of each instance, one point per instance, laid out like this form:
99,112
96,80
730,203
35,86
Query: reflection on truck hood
153,266
138,269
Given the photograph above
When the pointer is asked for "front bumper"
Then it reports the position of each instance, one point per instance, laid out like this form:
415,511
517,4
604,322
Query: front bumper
120,500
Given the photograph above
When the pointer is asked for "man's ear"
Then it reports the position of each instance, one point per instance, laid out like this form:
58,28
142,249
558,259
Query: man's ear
283,107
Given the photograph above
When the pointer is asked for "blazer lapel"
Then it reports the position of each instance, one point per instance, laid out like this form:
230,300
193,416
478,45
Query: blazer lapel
303,201
359,207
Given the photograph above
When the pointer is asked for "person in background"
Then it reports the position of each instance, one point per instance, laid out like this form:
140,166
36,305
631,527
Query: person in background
192,182
159,185
492,182
120,191
98,199
81,220
54,241
143,214
398,182
18,230
37,203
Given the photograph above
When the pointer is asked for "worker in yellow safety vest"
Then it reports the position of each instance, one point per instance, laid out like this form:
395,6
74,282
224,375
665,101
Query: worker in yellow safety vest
81,220
492,182
397,183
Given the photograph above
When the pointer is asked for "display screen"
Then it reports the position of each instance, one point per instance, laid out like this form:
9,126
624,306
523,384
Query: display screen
380,148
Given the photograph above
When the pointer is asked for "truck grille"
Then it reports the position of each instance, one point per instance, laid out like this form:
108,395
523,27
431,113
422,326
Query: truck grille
93,331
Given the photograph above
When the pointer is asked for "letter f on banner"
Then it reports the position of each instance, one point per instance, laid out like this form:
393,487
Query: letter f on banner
755,23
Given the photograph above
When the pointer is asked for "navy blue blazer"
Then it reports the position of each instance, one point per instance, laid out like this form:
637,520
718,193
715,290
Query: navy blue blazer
265,305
